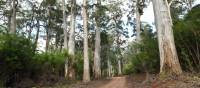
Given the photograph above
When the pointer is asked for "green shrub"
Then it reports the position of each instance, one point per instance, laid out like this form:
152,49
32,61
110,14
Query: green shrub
18,62
50,62
79,65
143,56
16,53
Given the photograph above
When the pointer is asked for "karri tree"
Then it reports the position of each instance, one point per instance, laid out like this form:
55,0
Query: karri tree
71,43
86,69
65,34
169,63
97,58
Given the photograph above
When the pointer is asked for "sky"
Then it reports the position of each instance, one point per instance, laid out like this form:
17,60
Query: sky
149,14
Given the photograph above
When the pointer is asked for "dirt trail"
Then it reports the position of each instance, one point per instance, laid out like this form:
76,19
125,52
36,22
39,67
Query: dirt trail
137,81
115,82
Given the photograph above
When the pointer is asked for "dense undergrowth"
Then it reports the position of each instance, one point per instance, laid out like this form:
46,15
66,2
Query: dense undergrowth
143,56
187,40
20,64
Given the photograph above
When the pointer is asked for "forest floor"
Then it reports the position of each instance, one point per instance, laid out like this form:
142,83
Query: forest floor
139,81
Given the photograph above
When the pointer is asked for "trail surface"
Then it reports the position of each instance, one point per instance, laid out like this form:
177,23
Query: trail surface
139,81
115,82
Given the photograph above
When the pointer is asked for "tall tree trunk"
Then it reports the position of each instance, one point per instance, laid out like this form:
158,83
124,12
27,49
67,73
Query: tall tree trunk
13,18
109,65
65,36
64,25
119,52
37,34
138,15
71,43
86,70
97,58
47,40
9,15
9,23
47,30
119,67
110,68
169,63
31,24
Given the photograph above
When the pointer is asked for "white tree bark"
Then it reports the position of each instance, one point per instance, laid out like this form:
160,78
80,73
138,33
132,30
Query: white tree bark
13,18
47,30
86,69
64,25
138,22
97,58
71,44
119,67
169,62
65,35
109,66
111,70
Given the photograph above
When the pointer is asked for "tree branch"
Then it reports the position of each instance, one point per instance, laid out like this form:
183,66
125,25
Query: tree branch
170,3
